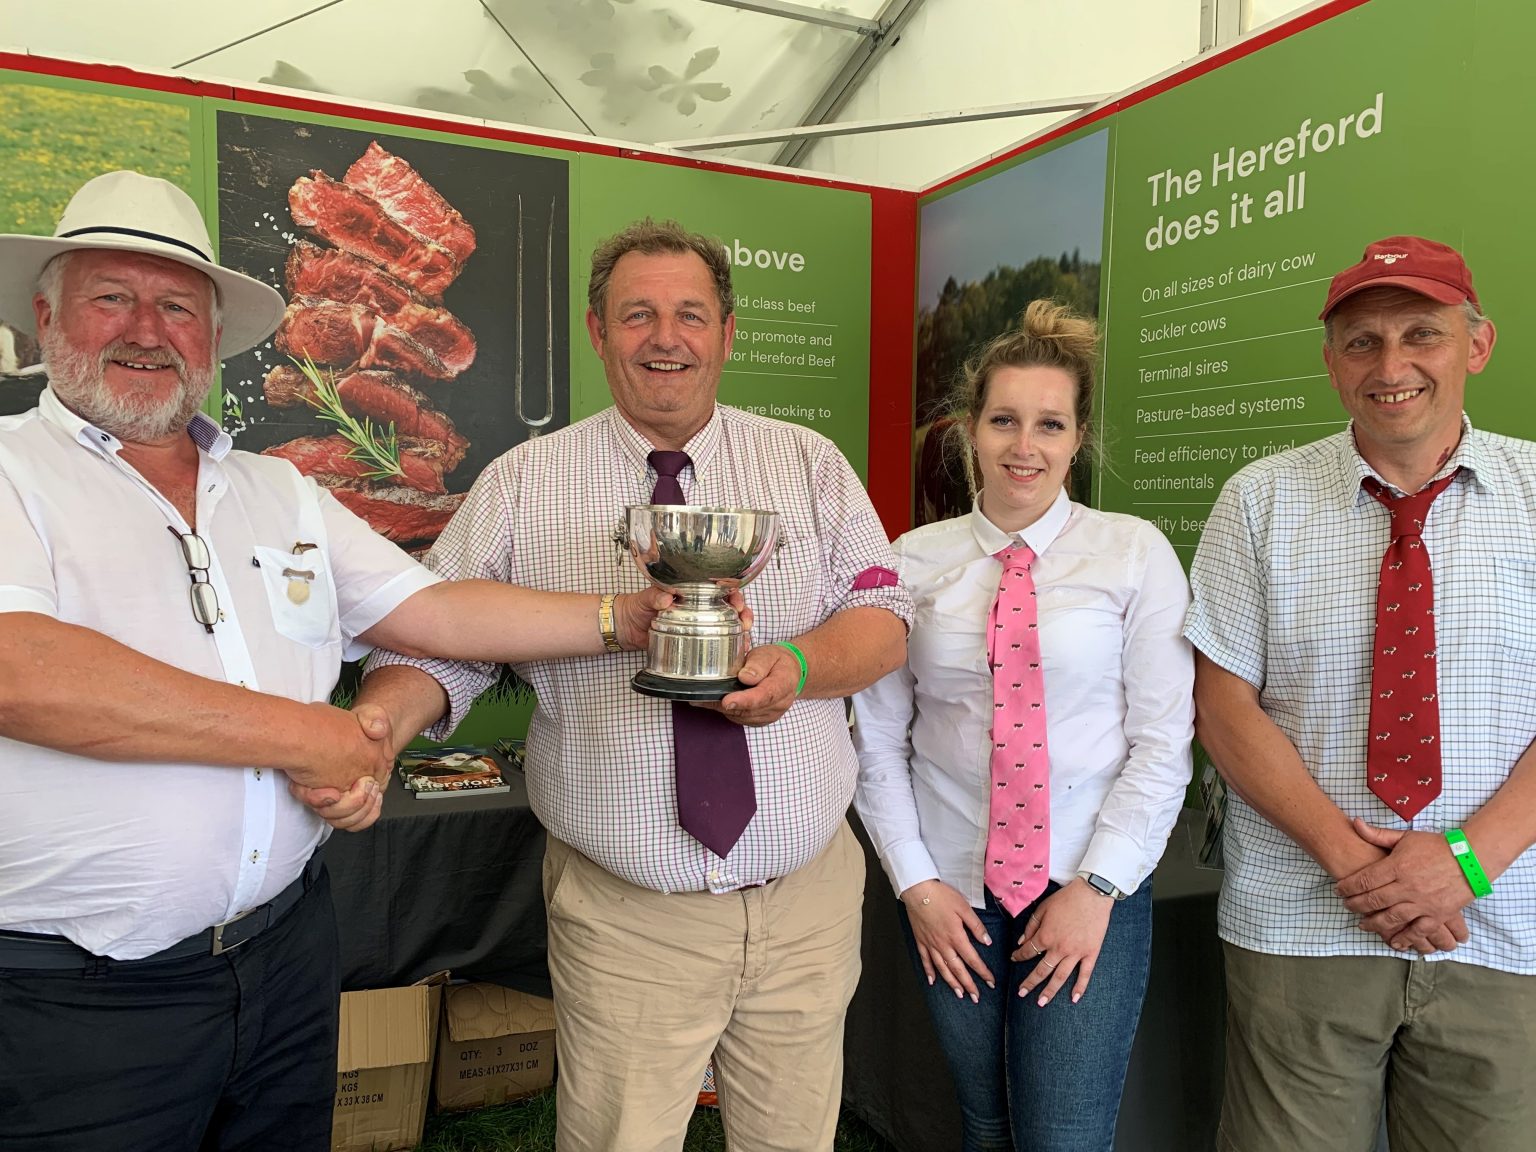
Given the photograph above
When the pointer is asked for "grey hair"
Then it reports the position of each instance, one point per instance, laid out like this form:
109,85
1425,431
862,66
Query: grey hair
50,286
50,281
1474,318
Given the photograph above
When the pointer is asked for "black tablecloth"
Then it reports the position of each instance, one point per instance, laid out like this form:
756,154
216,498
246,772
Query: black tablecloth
449,882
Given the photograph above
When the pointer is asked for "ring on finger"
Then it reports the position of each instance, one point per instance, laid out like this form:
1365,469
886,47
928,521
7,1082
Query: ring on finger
1039,951
1048,964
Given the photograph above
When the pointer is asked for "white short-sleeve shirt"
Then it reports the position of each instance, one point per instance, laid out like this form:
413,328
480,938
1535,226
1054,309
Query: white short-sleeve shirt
127,859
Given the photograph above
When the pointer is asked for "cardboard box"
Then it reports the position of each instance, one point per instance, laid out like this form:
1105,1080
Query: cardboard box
384,1066
496,1045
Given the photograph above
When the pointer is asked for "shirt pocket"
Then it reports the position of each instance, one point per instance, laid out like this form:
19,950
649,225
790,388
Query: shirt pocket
301,596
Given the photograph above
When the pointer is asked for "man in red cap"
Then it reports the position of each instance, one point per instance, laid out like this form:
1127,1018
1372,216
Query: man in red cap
1366,684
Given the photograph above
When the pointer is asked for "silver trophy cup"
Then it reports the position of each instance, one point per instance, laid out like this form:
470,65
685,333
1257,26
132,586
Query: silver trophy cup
702,555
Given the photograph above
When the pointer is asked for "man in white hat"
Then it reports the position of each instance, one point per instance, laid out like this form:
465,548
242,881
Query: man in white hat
175,618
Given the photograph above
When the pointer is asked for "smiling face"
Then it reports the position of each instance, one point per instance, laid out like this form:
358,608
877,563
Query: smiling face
663,342
1025,435
129,343
1399,362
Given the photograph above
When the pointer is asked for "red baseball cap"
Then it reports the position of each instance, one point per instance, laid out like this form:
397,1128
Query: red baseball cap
1424,266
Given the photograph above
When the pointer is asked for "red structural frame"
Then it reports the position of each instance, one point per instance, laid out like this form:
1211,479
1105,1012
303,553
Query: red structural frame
893,247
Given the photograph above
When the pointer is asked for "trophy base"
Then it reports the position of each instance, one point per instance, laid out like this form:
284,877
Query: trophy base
649,683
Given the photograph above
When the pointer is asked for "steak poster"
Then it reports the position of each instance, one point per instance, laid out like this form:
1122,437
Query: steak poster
427,327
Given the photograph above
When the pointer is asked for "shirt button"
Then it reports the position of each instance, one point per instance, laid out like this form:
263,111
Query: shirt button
258,773
254,856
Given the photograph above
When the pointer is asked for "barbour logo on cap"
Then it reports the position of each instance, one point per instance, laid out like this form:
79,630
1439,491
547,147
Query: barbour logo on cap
1390,258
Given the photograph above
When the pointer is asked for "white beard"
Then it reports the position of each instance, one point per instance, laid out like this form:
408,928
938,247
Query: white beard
79,380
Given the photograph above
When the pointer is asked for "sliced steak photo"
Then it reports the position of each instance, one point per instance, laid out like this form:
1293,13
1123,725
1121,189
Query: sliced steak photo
411,201
382,397
356,222
403,515
331,274
332,455
330,332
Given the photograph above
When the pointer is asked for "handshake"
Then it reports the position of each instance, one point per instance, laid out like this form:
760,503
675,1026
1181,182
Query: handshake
355,756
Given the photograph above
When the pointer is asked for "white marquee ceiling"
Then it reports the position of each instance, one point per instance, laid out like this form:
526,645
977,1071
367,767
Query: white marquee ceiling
634,70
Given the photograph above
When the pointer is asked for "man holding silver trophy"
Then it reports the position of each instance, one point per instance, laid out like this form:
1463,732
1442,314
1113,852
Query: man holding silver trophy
702,884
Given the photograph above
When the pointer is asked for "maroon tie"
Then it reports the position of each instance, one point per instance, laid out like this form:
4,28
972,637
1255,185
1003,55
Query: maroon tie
716,799
1403,761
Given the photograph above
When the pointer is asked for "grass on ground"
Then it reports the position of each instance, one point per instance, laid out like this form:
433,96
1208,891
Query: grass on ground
529,1126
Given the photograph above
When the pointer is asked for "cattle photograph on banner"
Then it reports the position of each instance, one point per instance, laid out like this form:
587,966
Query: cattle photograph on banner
427,327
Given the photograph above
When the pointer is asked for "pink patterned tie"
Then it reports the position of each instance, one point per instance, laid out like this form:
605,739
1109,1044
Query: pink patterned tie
1019,838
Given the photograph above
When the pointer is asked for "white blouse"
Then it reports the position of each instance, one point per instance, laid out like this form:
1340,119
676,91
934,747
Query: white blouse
1119,680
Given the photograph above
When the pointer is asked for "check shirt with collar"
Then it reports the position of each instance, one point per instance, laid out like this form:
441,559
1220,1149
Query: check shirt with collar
128,859
550,514
1118,698
1284,587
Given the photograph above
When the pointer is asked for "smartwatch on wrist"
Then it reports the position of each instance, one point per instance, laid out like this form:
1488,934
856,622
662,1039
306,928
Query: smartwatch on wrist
1102,886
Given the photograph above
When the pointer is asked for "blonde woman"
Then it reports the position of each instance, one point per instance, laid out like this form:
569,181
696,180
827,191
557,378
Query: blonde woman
1020,776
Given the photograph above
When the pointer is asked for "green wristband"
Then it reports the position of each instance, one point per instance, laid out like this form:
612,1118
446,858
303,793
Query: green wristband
805,669
1471,867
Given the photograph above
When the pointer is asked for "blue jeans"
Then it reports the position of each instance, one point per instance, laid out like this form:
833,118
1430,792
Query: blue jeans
1051,1076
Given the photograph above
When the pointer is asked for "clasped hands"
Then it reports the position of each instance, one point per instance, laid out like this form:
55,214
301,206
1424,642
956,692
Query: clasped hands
1064,934
1412,894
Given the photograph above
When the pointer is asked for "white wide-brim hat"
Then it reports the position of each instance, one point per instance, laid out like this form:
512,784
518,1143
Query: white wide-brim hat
131,212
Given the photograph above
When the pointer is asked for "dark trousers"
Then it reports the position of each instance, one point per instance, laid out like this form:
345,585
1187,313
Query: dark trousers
230,1052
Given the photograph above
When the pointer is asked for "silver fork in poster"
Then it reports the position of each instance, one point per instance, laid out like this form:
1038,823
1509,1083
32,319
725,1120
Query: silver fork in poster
536,425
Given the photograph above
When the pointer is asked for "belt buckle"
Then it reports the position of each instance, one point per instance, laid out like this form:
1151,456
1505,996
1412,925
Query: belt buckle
219,947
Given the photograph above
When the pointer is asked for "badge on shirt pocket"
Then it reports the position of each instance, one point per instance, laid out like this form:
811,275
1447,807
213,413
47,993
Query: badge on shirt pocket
298,586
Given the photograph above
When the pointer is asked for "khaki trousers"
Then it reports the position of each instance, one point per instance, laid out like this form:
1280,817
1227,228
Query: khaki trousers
1316,1044
649,985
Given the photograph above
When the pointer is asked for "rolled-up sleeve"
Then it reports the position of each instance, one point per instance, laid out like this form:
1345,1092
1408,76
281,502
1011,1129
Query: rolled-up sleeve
854,541
476,545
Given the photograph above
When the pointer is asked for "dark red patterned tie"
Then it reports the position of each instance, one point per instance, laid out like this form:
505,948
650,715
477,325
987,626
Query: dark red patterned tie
716,798
1403,761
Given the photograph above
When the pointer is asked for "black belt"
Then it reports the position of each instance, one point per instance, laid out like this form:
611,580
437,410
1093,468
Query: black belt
35,950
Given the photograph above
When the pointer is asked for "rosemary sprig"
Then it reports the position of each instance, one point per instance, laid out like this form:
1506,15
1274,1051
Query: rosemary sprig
379,450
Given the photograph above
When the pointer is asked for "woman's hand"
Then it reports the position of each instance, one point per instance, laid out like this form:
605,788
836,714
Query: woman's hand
944,922
1066,931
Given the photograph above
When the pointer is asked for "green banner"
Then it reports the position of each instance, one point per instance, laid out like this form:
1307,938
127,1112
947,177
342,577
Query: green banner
800,267
1232,199
1235,197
